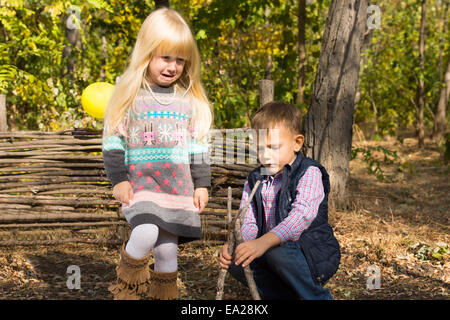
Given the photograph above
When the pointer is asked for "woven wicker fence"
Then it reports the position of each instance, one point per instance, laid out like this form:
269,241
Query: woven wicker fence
53,189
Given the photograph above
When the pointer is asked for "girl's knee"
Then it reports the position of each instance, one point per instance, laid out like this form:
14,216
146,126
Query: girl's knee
165,252
142,240
145,234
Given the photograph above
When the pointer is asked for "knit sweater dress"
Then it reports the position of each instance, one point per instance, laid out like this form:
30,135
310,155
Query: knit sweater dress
154,149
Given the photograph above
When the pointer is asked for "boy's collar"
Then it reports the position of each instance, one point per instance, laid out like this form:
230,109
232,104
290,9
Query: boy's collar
296,162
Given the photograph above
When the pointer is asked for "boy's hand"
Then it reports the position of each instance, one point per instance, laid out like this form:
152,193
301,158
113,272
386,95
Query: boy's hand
224,258
200,198
123,192
248,251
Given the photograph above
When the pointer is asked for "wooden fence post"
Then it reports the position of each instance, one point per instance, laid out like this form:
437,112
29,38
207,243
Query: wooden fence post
3,122
265,91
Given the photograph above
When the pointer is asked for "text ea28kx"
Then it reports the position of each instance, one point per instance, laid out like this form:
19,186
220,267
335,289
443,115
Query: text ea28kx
228,309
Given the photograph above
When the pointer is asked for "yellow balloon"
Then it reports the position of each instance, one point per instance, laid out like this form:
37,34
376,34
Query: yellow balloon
95,97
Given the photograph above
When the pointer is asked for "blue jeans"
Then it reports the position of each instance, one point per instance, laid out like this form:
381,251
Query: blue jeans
283,273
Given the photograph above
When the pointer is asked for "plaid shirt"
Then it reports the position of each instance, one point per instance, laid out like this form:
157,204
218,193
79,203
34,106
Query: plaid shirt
304,209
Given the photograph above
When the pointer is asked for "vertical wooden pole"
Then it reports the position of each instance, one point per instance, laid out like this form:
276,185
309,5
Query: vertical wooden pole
229,203
266,91
3,122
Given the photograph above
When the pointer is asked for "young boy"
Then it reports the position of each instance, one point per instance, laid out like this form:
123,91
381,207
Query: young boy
288,242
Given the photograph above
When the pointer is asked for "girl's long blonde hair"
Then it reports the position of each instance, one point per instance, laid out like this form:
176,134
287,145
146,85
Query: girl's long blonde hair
164,31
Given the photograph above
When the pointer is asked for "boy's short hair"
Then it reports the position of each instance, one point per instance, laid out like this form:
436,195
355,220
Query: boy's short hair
276,112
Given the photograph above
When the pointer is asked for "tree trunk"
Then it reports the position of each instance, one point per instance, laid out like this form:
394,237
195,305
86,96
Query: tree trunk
301,50
365,46
329,121
440,118
442,41
268,69
420,94
162,3
73,36
374,109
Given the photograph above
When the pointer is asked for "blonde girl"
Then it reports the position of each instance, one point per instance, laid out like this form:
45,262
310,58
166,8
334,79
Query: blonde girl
155,123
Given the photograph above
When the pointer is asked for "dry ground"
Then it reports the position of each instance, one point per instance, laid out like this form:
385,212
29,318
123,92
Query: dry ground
396,225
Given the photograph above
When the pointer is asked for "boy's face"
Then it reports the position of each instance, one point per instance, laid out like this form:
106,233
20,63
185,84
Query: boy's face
277,147
165,70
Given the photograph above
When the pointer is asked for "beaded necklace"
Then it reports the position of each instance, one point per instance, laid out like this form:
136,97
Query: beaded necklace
172,99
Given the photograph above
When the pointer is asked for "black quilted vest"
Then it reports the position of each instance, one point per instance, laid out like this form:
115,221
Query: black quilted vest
317,242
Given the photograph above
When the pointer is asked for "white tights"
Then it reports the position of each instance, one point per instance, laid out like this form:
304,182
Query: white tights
146,237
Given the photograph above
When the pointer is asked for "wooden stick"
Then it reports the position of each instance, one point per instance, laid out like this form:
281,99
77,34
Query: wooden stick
13,243
61,189
250,198
247,270
49,166
48,162
51,173
27,216
231,240
92,180
49,200
62,224
12,143
64,134
48,150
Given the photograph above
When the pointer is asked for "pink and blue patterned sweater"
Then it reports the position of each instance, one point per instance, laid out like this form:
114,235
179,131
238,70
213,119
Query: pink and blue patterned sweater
156,152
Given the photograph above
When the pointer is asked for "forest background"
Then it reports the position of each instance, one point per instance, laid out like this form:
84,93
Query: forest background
397,218
43,72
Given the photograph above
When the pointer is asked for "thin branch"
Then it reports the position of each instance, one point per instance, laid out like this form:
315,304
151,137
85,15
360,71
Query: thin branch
231,240
247,271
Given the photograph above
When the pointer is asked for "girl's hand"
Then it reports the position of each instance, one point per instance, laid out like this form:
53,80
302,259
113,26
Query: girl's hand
200,198
123,192
224,258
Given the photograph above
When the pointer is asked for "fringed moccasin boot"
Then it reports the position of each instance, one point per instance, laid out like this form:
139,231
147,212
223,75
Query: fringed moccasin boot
163,286
132,277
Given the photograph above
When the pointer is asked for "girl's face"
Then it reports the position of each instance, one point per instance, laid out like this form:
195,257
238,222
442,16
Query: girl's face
165,70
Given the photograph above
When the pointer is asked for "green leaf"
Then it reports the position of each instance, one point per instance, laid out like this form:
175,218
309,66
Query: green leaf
201,34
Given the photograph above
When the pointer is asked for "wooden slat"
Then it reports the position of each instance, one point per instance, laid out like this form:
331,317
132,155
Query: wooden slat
58,178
